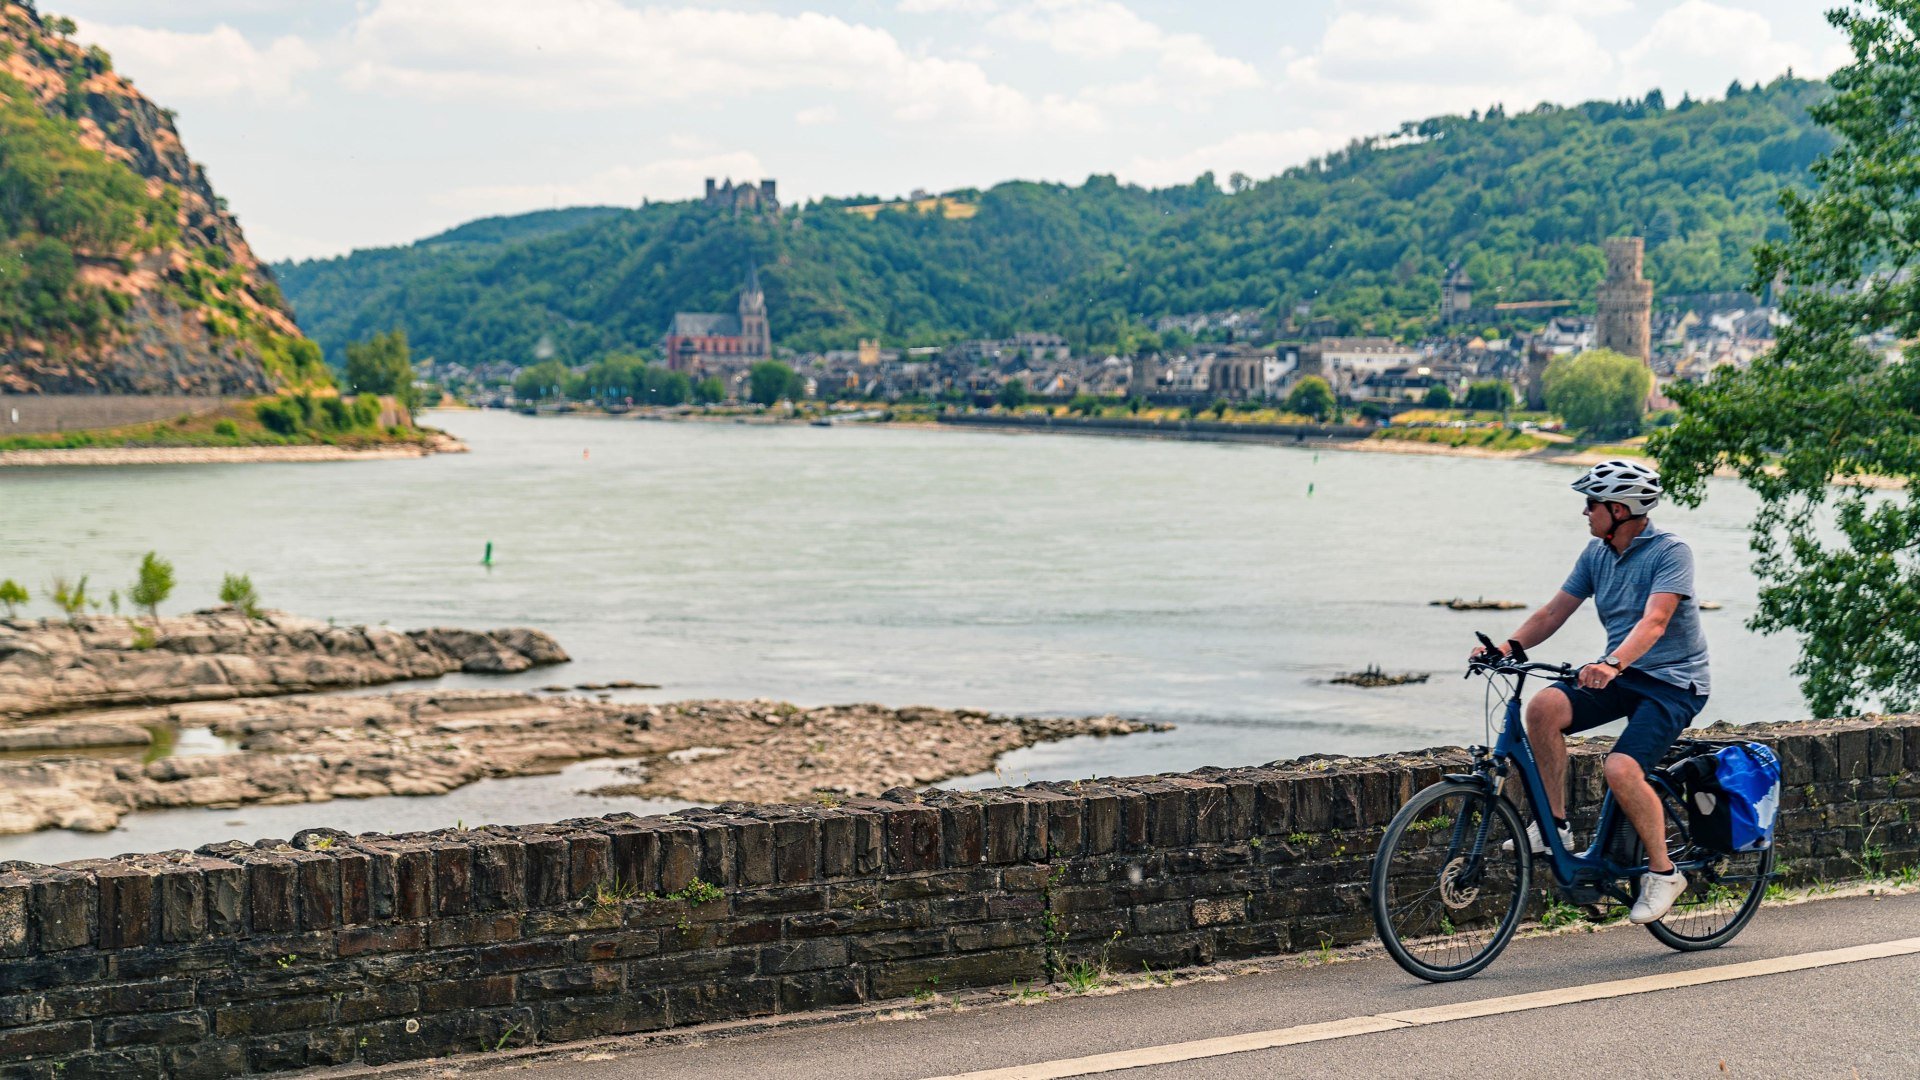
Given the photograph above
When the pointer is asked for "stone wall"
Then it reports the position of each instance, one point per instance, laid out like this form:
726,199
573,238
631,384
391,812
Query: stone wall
331,949
1196,430
37,414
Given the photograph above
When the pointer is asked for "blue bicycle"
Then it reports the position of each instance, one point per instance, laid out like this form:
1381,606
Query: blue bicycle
1451,878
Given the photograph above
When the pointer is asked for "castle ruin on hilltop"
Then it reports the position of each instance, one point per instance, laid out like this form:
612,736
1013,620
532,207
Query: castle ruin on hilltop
743,198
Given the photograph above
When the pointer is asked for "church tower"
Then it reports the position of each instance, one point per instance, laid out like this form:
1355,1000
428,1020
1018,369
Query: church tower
756,338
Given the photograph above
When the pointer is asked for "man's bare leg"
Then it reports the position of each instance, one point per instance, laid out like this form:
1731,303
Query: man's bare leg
1641,804
1548,717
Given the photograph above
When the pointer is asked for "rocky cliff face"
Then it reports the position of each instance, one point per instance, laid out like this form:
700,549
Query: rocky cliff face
176,305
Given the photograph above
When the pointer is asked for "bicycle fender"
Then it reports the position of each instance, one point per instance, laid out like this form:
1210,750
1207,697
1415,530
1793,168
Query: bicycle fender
1484,783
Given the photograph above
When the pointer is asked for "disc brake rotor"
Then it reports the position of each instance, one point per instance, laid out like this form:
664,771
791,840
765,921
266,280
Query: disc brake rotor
1452,893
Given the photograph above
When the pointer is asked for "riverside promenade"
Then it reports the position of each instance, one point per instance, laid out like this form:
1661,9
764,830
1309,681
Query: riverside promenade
1824,988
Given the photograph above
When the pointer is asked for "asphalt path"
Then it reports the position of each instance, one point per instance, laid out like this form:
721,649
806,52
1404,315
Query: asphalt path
1854,1019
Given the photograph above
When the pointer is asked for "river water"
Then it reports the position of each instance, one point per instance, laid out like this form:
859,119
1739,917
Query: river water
1214,586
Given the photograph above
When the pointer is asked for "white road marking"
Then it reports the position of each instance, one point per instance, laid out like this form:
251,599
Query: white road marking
1438,1014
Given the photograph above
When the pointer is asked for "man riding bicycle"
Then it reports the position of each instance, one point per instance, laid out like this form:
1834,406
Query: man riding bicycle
1653,673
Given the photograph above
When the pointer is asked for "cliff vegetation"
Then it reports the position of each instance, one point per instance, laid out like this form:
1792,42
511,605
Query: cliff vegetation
121,271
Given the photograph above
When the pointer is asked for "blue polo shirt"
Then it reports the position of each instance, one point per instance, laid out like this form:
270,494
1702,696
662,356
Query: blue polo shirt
1620,583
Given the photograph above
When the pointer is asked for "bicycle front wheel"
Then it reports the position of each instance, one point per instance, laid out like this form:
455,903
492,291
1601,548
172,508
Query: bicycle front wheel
1450,881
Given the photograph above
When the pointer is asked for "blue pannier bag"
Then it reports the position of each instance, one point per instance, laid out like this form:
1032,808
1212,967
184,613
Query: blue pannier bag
1733,797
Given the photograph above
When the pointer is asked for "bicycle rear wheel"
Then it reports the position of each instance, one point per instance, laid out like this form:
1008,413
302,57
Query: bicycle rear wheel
1723,890
1446,897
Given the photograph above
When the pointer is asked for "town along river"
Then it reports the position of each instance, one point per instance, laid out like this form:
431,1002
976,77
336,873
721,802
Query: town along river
1214,586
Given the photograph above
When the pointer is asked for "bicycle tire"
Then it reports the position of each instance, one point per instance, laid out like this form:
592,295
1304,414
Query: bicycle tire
1455,861
1720,910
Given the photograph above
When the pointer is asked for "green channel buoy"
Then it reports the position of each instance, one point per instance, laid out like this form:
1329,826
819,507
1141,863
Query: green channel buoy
487,559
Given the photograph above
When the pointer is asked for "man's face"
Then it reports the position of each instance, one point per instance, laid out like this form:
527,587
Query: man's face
1599,517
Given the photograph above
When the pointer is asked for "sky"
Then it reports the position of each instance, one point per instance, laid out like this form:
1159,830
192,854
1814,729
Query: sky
333,125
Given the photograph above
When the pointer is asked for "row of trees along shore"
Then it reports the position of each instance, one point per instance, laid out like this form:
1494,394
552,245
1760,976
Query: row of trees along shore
152,585
627,379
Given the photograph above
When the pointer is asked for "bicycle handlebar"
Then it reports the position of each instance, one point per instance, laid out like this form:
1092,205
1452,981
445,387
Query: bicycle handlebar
1513,662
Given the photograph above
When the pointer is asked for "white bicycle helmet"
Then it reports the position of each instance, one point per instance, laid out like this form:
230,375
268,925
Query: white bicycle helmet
1629,483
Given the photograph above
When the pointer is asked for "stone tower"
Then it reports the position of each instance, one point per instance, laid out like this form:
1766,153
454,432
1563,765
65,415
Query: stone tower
755,336
1626,301
1456,295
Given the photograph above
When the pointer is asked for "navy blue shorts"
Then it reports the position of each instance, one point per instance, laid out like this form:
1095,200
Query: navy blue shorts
1656,711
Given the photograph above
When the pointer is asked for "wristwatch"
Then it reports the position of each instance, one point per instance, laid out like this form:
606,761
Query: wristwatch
1613,661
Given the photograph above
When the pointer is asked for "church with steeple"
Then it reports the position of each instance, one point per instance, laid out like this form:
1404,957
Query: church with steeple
699,341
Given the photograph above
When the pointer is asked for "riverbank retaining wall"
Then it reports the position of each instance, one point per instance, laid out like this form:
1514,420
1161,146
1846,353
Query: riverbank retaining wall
1197,430
39,414
329,949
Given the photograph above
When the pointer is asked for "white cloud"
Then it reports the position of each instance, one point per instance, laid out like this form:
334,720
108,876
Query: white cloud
170,65
1381,62
622,185
964,7
569,53
1702,46
816,116
1186,66
1259,154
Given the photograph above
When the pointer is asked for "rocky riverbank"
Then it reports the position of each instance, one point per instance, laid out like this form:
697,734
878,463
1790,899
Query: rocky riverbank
314,749
50,665
81,701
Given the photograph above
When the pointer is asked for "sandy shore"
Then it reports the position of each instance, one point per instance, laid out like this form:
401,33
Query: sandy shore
1407,446
222,455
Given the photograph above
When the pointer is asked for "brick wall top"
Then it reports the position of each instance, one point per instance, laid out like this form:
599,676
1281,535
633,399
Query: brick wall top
323,881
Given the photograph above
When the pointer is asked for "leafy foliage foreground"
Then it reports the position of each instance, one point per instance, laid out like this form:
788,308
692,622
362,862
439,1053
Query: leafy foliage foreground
1838,564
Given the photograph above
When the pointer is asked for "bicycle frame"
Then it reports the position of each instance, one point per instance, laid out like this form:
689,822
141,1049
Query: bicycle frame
1591,869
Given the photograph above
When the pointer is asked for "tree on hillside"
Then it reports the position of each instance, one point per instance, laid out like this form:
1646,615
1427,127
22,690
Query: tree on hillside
770,381
154,584
382,365
1837,564
1311,396
1599,391
1492,394
1438,397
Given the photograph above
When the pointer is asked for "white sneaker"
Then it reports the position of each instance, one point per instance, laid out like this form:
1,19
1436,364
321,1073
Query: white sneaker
1538,843
1657,894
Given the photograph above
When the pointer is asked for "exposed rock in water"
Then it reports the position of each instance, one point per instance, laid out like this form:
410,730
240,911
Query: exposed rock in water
1482,604
50,665
1373,676
313,749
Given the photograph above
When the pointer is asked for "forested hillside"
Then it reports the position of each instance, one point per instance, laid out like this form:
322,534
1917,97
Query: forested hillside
120,269
1363,236
831,277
